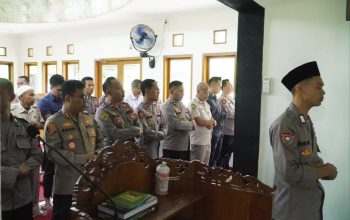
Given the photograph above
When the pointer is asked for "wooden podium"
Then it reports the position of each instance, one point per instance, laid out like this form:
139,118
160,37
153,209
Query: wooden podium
196,191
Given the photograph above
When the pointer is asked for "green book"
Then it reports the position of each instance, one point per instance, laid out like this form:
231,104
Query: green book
127,200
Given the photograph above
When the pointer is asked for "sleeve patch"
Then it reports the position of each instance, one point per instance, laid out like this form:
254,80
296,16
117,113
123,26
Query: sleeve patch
51,128
288,138
104,116
193,106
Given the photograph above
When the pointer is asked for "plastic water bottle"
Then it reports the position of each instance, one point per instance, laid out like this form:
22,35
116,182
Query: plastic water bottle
162,179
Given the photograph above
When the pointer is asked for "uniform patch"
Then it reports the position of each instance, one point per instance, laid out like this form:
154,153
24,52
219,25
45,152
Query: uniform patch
70,137
118,121
92,133
306,152
51,128
67,124
104,116
193,106
88,121
67,115
288,138
71,145
141,115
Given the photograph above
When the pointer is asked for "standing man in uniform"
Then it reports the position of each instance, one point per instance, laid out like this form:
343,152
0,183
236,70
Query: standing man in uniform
25,109
151,117
91,102
227,104
179,124
75,135
201,136
48,106
20,155
298,167
117,119
219,116
135,98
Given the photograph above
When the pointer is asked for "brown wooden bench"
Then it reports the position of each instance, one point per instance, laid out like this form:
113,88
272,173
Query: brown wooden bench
196,191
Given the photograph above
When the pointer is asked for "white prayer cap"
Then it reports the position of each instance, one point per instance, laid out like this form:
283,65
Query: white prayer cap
23,89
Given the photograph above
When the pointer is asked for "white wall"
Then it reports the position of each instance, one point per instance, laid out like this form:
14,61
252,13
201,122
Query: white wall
299,31
114,42
12,49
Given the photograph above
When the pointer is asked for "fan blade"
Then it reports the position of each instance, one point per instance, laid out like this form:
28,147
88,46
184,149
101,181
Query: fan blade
138,41
140,31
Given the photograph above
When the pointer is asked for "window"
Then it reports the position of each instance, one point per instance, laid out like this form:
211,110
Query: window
70,69
220,64
124,69
49,69
178,68
31,70
6,70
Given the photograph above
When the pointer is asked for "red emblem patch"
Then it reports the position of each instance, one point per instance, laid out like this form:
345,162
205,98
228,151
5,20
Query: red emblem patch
288,138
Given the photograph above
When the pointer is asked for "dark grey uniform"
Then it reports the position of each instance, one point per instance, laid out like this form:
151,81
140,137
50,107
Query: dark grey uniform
117,123
227,104
17,147
299,194
74,137
178,120
153,127
91,104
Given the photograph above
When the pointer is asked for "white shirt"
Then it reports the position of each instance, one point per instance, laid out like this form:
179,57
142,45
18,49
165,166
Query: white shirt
31,115
133,101
201,135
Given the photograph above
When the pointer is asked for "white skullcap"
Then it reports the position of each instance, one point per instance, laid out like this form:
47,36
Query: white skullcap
23,89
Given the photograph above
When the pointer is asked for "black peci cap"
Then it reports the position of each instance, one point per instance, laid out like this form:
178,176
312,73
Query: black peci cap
300,73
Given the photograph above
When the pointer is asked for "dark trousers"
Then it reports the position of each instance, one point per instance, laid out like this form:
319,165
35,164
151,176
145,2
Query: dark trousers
22,213
49,172
61,207
216,144
174,154
226,151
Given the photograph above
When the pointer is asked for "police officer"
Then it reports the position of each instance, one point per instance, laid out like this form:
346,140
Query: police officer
25,109
227,104
219,116
116,118
20,155
91,102
151,117
75,135
179,124
298,167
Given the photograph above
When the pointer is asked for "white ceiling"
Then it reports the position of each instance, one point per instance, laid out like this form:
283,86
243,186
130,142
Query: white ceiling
135,11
